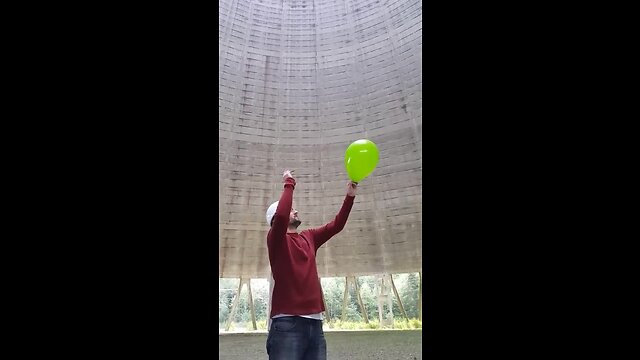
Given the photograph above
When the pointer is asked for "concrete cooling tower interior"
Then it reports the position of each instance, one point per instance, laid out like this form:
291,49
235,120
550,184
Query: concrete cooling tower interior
300,80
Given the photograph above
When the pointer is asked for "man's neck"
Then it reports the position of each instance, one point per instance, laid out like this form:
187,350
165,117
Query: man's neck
292,230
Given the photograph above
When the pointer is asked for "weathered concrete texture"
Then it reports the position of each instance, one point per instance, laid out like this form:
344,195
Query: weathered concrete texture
299,81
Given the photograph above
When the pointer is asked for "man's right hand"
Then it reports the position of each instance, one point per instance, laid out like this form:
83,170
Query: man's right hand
352,188
287,174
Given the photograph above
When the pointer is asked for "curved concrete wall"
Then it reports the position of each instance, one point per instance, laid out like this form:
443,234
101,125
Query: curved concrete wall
298,82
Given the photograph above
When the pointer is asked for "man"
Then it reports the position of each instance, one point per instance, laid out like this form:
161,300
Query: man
296,332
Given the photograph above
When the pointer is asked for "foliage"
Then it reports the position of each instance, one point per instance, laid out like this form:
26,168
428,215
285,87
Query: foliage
333,289
399,324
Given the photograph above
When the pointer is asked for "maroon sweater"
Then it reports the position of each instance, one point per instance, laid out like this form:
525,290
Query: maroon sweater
292,256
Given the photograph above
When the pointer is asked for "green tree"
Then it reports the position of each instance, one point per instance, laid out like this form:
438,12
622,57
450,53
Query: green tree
410,296
333,289
226,292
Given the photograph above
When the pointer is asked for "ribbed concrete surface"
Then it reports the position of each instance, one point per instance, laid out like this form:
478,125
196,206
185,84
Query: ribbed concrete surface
299,81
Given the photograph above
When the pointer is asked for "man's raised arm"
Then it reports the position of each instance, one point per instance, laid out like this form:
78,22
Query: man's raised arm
280,221
323,233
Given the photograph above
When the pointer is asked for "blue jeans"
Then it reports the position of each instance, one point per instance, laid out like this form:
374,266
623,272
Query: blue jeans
296,338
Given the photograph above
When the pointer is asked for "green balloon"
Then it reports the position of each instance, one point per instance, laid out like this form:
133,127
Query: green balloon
360,159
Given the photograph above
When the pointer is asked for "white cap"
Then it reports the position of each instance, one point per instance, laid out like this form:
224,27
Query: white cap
271,211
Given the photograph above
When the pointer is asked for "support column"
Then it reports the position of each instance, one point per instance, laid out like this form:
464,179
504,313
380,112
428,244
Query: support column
236,300
344,301
362,308
382,290
395,291
379,293
324,302
251,306
420,297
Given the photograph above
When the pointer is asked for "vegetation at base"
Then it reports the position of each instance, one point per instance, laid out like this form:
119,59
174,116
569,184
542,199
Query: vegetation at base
333,289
